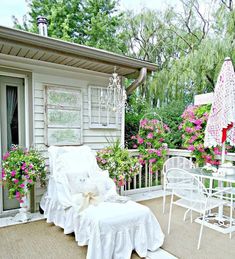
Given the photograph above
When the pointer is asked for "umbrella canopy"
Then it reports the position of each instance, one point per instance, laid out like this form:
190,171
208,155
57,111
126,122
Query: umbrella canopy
221,121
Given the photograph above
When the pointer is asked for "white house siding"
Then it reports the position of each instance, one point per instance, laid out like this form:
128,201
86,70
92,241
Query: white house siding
95,138
62,76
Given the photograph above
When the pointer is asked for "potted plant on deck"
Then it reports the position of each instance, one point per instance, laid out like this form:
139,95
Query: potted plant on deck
120,165
21,168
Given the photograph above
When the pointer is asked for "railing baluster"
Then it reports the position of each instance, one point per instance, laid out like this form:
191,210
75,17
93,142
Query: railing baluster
135,182
140,177
146,175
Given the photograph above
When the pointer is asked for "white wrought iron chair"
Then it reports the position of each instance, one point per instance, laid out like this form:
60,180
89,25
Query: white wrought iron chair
112,227
193,196
173,162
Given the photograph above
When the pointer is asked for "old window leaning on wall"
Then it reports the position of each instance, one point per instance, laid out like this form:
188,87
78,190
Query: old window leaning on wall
63,116
101,115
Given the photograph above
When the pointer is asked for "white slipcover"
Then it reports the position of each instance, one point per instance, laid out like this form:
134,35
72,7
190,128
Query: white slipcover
110,229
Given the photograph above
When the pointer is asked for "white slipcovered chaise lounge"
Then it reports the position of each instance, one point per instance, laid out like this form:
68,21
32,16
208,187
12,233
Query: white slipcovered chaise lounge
81,198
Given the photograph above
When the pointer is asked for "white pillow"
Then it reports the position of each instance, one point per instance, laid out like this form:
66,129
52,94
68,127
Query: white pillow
77,181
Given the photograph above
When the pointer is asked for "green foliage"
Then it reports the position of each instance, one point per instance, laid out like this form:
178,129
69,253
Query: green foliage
171,115
21,168
90,22
117,161
136,109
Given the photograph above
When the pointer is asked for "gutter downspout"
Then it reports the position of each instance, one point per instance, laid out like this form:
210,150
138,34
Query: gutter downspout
138,81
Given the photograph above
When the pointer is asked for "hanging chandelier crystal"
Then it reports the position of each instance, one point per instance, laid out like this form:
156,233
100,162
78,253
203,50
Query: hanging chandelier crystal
116,94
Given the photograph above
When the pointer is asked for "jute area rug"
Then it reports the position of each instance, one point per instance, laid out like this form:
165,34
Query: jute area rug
42,240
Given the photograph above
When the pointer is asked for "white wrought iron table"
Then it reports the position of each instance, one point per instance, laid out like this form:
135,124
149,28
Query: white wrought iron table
217,221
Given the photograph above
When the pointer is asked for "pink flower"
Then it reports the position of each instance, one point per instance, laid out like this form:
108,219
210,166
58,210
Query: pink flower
141,161
197,122
216,151
16,181
103,161
30,181
161,139
150,135
22,185
121,183
201,149
158,152
143,123
189,130
198,127
208,157
134,146
13,173
166,127
152,160
191,148
192,139
154,121
17,195
6,156
31,166
3,173
140,140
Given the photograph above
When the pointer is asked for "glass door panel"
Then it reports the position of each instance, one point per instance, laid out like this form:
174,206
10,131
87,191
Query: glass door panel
12,124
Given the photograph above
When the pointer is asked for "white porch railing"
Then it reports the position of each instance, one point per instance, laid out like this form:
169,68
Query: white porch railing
146,181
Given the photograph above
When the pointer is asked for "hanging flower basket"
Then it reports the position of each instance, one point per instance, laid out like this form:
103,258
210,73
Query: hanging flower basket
21,168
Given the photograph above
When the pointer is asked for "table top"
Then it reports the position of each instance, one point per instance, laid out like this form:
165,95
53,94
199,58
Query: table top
205,174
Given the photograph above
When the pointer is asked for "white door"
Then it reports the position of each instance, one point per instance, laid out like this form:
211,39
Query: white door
12,125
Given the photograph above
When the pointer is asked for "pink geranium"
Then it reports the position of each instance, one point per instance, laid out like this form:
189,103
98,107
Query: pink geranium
152,160
191,148
13,173
6,156
22,185
217,151
143,123
150,135
189,130
140,140
16,181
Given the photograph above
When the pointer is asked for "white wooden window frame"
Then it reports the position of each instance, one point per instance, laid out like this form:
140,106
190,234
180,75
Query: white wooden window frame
63,108
99,125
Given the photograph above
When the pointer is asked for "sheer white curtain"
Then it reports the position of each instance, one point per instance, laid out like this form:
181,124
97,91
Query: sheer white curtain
11,94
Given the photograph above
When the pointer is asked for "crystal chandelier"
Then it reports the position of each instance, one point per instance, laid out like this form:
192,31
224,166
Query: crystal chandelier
116,94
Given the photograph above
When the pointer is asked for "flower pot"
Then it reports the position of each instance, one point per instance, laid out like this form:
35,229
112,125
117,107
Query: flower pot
24,214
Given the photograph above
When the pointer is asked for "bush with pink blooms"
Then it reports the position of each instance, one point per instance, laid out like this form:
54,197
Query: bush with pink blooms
193,127
150,143
21,168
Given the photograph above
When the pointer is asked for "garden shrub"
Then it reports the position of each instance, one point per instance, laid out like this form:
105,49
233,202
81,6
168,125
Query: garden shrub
193,126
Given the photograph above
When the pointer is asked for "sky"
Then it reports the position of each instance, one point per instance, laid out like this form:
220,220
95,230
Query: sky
19,8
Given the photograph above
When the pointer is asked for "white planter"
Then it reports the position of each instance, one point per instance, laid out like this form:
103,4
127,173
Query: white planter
24,214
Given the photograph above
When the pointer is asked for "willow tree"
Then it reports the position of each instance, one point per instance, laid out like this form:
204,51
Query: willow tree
196,72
